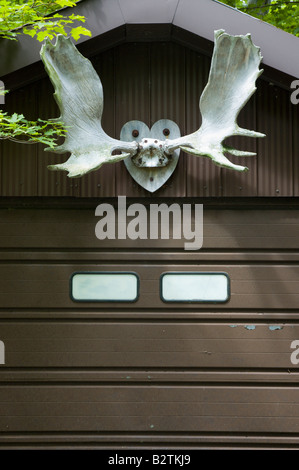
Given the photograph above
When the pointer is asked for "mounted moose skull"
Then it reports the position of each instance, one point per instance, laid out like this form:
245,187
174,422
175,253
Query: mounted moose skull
79,94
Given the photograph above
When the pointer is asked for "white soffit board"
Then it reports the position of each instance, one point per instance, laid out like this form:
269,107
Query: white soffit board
148,11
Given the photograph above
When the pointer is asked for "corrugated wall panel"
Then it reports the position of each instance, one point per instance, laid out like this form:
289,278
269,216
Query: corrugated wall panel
168,102
132,102
243,184
275,162
295,134
203,177
101,183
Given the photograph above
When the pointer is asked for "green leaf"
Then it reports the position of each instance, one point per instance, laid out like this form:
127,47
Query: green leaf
15,118
80,30
65,3
29,31
42,35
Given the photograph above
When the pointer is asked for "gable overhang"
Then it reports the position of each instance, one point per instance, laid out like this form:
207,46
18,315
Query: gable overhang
189,22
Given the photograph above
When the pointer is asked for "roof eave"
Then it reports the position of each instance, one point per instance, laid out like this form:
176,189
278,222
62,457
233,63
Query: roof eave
186,21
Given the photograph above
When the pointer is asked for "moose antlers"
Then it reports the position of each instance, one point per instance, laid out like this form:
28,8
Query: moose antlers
79,94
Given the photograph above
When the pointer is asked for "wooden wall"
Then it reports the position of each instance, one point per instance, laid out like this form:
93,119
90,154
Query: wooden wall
148,82
151,373
95,375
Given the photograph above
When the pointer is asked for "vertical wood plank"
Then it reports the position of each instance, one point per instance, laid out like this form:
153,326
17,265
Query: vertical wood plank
295,132
132,101
235,183
275,165
168,102
101,183
203,177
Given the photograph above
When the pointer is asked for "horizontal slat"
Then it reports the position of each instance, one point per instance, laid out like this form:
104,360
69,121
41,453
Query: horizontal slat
141,315
236,229
152,256
143,408
47,286
134,441
149,376
149,344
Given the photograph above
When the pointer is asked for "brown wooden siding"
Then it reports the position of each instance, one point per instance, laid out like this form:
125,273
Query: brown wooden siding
151,81
148,373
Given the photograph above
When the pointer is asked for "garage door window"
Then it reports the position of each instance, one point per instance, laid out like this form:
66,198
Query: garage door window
104,287
194,287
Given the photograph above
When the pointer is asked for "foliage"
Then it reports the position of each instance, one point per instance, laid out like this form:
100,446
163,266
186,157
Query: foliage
40,131
38,19
282,14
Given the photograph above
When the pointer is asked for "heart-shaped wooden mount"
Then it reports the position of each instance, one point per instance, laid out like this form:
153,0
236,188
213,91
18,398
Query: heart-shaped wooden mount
151,178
